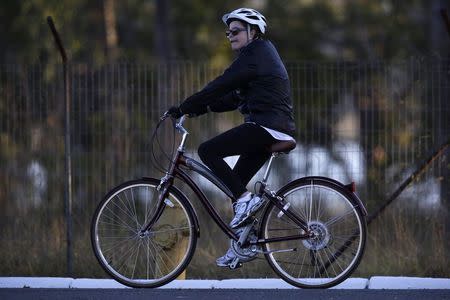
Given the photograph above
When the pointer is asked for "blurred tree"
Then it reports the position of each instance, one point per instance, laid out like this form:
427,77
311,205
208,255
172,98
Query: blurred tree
112,50
147,30
79,22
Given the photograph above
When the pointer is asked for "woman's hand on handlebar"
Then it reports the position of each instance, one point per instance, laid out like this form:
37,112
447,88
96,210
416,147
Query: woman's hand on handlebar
174,112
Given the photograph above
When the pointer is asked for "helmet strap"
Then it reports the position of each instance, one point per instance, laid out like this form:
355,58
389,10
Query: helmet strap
248,34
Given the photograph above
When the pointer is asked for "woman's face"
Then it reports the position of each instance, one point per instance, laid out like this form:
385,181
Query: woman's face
237,35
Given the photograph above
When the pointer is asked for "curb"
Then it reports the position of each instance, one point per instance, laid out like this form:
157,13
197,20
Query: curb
376,282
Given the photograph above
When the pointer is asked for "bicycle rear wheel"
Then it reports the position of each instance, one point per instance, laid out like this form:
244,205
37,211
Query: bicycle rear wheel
149,260
338,244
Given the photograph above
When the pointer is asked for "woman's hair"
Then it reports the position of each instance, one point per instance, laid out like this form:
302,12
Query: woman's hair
258,33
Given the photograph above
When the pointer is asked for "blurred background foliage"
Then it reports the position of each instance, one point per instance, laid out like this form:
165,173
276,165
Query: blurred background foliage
370,86
155,30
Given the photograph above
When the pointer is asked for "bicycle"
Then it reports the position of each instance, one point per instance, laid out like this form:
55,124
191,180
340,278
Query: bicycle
312,231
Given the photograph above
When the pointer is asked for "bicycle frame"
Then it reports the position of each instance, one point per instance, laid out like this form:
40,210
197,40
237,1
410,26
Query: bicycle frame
181,162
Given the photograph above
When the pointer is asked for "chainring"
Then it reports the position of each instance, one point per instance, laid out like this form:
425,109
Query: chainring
245,254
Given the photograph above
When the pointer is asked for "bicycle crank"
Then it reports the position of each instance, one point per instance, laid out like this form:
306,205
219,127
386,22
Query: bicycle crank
235,263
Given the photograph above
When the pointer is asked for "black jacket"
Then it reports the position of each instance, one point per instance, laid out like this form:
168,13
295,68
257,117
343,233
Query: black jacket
256,82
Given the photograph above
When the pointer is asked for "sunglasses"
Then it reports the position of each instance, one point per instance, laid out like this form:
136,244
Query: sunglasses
234,32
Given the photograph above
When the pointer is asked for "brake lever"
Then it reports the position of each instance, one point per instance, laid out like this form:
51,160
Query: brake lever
164,116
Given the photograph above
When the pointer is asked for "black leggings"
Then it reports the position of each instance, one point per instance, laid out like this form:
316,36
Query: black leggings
249,141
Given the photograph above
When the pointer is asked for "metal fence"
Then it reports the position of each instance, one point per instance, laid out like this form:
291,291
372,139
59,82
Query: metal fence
368,122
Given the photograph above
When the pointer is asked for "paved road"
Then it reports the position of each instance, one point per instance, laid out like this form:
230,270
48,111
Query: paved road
166,294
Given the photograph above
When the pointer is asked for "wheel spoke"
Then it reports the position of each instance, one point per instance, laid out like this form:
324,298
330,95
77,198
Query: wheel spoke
119,219
340,218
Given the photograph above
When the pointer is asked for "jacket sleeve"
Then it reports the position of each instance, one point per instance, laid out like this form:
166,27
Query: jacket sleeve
220,89
228,102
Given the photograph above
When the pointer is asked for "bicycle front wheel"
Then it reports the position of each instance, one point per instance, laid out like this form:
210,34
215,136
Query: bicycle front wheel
143,260
335,249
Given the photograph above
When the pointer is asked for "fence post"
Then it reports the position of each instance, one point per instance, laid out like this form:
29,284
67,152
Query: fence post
446,20
67,154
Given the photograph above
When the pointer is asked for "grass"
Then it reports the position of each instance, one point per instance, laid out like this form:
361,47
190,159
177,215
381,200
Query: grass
401,242
404,242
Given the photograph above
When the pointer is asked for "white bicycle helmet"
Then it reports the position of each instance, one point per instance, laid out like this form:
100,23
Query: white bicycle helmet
247,15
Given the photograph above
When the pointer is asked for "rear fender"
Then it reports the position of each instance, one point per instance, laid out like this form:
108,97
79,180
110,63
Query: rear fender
349,189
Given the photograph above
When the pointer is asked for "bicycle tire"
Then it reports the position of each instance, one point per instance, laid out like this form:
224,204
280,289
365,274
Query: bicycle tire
143,261
336,216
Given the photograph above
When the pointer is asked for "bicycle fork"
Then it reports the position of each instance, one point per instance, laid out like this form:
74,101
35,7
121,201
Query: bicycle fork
163,201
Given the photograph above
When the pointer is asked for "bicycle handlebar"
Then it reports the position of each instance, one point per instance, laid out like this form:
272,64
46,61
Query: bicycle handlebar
178,125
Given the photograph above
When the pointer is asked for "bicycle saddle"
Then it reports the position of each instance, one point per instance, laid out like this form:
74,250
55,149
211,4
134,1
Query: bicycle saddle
282,146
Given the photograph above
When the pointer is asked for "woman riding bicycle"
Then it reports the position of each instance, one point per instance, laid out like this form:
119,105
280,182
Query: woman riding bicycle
257,84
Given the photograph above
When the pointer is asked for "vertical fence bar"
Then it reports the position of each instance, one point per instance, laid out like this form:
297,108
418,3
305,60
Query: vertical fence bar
68,167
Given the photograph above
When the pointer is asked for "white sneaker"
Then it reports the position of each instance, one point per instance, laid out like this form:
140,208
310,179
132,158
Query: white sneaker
226,260
246,206
246,254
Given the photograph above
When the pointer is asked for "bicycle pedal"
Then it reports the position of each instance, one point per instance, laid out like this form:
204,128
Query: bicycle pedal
235,264
239,265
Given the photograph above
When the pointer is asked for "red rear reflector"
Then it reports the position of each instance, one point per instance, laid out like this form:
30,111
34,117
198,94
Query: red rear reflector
351,187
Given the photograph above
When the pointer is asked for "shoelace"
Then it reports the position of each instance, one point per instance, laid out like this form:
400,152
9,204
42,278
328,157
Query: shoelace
240,207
